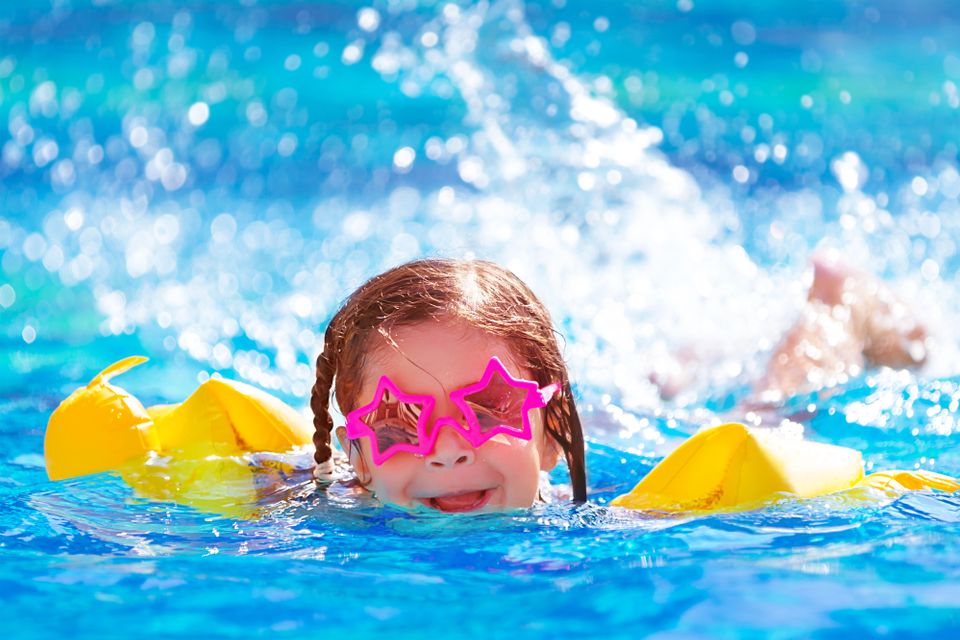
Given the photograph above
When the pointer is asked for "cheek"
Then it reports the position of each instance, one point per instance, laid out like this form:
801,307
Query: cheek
518,465
390,480
381,479
516,455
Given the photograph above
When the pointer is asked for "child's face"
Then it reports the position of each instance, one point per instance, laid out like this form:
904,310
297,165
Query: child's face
435,358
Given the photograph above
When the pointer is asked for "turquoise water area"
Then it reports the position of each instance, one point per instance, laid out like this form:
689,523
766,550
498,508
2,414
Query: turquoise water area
204,183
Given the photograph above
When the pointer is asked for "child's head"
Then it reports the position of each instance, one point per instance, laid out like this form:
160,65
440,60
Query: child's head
431,327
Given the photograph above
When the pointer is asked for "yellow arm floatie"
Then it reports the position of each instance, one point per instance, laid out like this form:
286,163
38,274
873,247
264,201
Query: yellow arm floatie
98,427
102,427
731,466
734,467
225,418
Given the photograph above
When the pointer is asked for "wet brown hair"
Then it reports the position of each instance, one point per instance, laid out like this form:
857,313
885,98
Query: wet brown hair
479,293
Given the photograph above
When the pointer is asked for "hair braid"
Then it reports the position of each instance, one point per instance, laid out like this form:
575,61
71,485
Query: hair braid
563,424
320,397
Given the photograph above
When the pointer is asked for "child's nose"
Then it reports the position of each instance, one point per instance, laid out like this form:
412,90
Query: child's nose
450,450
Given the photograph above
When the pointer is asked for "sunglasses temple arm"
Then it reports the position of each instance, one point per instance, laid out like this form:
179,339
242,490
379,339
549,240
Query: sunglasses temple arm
547,392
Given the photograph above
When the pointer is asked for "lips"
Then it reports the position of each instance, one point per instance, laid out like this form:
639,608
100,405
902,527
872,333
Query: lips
459,502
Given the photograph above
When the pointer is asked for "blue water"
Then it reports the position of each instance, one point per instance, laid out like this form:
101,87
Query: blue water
204,184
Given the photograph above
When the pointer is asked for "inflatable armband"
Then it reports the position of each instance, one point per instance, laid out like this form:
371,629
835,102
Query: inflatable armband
226,418
232,486
731,466
98,427
203,452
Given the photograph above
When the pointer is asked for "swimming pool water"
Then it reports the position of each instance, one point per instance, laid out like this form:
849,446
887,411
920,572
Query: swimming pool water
204,184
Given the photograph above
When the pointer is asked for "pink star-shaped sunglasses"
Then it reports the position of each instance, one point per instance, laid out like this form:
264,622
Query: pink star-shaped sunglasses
397,421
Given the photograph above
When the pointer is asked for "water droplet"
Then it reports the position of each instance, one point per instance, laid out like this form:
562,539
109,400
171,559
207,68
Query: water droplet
368,19
73,218
198,113
34,246
352,53
8,295
743,32
919,186
223,228
403,159
138,137
143,34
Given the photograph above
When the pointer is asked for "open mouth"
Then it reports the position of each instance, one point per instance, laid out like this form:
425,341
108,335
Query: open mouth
459,502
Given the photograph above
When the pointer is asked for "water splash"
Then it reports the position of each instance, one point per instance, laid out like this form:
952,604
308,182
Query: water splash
165,214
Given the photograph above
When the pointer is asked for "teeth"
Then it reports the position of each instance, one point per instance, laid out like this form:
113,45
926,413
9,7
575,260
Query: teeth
462,501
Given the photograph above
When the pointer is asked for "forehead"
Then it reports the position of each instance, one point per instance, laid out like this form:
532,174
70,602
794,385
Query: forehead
434,357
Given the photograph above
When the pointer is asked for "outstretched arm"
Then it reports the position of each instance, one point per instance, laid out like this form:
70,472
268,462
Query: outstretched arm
850,320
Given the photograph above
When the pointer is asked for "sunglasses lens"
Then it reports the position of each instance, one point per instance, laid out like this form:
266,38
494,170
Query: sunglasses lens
499,404
394,423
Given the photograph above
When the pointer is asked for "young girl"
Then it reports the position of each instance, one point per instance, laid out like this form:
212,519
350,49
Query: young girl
430,328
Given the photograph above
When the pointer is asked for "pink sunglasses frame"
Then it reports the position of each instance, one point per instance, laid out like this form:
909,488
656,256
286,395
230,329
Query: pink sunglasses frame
473,433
